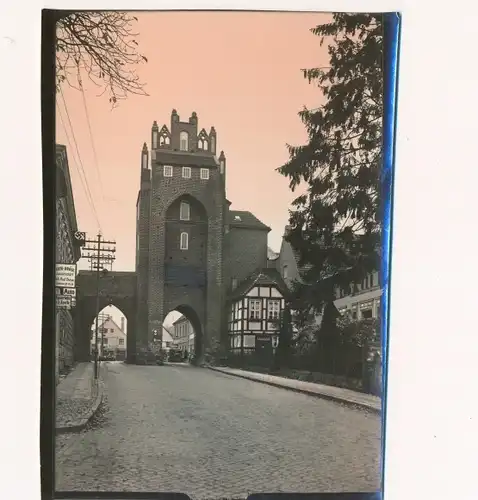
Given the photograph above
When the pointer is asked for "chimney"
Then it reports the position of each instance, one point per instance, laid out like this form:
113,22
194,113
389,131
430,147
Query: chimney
122,324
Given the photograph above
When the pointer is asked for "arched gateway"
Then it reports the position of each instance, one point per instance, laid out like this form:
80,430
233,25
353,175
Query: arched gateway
193,254
115,288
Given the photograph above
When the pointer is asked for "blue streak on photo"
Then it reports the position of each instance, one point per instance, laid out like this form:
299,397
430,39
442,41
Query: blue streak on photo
391,60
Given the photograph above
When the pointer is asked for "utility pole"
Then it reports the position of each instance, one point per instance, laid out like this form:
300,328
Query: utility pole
97,260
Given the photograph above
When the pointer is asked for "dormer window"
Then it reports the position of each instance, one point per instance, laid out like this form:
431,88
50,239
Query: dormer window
200,144
184,211
205,145
183,141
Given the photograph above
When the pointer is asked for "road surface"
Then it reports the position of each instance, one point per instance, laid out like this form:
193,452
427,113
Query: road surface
211,435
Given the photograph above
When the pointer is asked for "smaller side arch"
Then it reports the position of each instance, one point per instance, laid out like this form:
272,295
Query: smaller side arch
193,317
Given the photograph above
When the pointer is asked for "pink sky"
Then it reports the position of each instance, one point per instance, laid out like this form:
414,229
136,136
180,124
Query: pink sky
240,72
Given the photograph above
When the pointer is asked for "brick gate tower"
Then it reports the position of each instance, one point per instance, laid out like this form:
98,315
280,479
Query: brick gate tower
180,221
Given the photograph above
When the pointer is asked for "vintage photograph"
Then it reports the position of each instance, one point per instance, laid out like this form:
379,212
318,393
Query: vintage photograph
218,252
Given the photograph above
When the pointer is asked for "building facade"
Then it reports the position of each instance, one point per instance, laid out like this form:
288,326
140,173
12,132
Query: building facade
255,310
192,249
67,252
183,335
111,339
361,301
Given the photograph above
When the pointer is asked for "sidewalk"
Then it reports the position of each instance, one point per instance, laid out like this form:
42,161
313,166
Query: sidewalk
78,396
338,394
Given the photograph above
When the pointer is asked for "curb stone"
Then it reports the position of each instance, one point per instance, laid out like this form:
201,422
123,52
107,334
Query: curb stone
78,425
321,395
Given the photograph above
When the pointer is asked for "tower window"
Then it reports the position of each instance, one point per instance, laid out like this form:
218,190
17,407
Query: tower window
186,172
168,171
183,141
184,211
184,243
204,174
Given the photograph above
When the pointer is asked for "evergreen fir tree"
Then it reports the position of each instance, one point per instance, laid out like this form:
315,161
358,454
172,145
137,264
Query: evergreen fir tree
335,223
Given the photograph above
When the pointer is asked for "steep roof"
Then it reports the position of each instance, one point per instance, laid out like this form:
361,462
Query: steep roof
181,319
263,277
271,255
241,218
167,336
110,320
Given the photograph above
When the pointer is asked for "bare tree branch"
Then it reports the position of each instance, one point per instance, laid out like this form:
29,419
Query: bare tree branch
102,45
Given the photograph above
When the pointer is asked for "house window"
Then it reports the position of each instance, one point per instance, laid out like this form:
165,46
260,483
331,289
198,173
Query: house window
121,341
249,341
371,281
184,211
284,272
273,309
367,314
204,174
183,141
105,341
112,330
168,171
186,172
184,241
255,309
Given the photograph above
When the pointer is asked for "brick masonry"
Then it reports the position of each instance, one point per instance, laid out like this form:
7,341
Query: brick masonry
189,281
195,281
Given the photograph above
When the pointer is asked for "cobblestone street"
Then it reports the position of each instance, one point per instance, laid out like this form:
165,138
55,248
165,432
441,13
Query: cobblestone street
211,435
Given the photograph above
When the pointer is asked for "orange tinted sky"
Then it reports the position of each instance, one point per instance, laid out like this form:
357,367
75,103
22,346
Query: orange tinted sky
240,72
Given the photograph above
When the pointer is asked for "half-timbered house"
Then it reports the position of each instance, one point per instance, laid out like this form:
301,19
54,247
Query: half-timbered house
255,309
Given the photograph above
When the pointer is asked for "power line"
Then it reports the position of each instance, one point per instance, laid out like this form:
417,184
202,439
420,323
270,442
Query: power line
95,253
75,161
92,141
79,158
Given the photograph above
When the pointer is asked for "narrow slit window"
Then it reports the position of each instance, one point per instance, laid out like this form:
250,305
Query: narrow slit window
183,141
184,211
184,244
